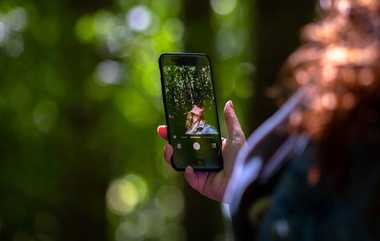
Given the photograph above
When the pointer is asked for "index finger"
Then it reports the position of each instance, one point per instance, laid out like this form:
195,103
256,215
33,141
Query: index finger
162,131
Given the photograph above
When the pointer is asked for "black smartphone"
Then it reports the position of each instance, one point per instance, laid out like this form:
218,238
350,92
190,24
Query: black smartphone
191,112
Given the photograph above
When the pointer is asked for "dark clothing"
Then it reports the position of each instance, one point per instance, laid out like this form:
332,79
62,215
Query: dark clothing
201,128
303,212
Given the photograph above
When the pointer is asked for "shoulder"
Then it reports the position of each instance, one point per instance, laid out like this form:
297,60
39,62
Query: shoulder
208,129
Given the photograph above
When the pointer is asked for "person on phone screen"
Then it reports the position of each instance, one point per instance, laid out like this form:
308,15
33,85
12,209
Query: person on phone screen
195,124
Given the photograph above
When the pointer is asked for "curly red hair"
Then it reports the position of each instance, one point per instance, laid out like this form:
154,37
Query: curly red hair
338,65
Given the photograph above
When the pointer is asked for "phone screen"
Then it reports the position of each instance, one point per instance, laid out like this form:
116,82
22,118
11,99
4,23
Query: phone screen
191,112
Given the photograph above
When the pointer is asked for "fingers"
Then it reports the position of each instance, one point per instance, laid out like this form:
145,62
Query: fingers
190,177
195,180
162,131
224,142
235,133
168,152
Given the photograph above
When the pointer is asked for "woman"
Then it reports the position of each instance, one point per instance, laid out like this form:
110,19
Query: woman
331,190
195,123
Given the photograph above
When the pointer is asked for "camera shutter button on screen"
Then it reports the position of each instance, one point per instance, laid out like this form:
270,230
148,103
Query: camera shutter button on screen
196,146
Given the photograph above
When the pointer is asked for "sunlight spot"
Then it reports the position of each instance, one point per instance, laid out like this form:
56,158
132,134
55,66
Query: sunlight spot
170,201
343,6
122,197
109,72
139,18
336,54
17,19
124,194
223,7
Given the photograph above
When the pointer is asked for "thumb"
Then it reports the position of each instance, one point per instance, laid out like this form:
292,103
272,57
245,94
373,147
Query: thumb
191,178
235,133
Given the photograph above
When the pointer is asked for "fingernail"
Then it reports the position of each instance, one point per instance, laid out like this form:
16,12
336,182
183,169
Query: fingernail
159,128
231,104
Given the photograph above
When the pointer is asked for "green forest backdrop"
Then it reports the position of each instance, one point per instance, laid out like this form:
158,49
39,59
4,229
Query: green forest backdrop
80,100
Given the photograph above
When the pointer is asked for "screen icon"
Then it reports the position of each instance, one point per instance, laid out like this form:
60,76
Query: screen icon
196,146
179,146
213,145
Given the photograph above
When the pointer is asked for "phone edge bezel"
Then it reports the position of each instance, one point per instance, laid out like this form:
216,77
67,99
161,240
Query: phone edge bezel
167,117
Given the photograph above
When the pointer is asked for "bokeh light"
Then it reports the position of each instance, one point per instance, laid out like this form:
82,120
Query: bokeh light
125,193
17,19
170,201
109,72
223,7
12,24
139,18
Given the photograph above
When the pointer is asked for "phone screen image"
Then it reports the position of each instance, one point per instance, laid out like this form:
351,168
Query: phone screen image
191,112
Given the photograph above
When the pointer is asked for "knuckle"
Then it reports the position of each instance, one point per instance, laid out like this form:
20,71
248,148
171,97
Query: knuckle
238,139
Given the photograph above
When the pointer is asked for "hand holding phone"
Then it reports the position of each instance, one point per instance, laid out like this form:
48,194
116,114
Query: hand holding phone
213,184
193,132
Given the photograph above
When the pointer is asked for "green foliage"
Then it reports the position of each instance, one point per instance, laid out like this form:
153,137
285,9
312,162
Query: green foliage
186,86
80,100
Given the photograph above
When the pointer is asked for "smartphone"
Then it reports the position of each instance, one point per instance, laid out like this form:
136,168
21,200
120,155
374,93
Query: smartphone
191,112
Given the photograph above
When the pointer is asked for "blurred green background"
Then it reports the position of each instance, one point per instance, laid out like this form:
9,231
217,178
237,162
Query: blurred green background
80,101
